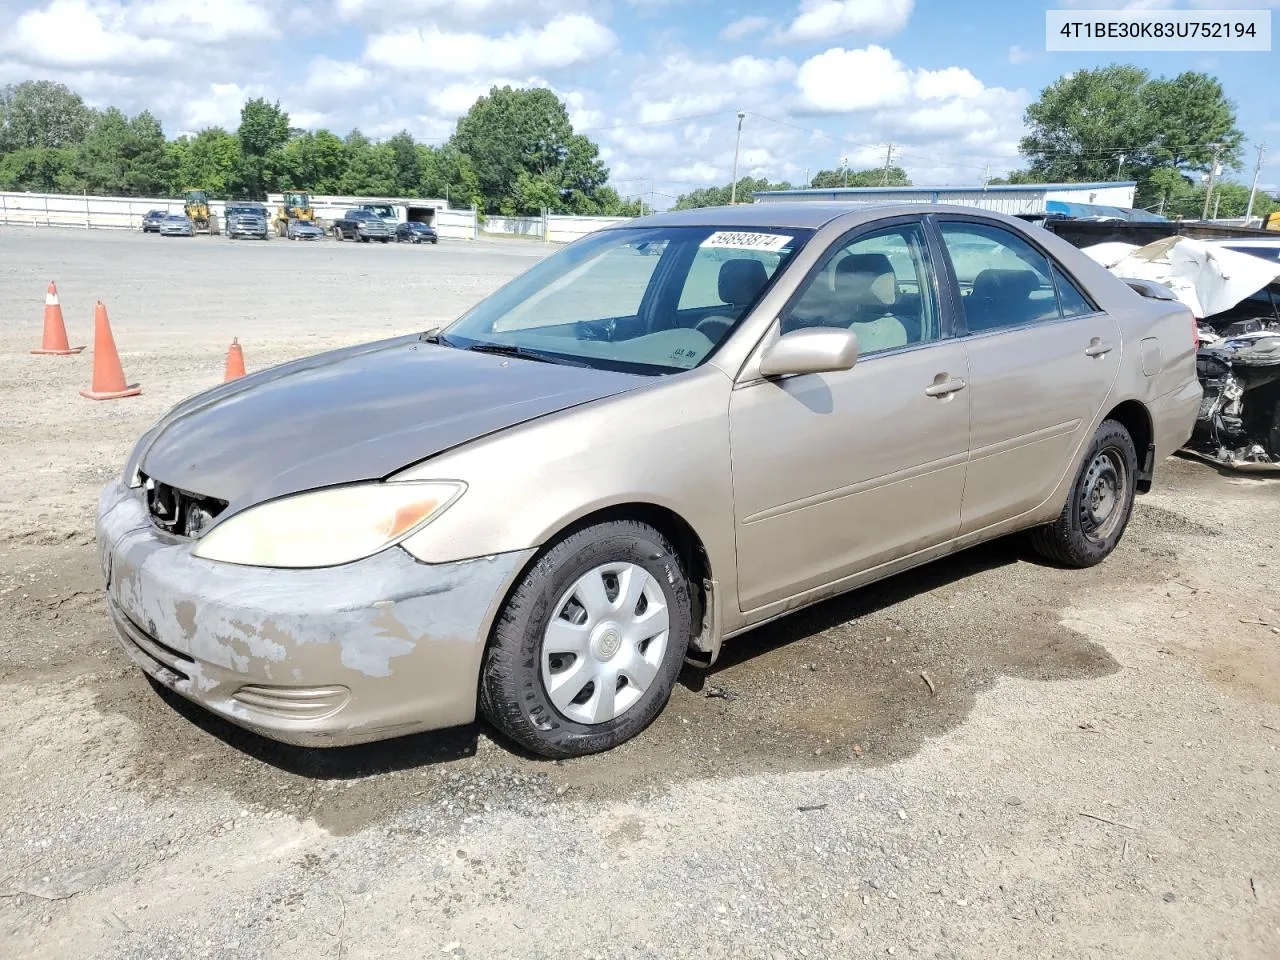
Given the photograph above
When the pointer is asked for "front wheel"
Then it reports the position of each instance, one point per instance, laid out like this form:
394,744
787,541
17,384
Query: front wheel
1099,504
587,648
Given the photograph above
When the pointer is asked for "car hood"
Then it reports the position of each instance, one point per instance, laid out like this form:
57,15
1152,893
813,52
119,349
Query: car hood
360,413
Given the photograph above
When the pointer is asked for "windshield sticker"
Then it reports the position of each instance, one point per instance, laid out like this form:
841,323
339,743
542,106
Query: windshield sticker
728,239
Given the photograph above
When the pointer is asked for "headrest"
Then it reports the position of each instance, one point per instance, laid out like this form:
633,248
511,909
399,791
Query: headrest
1005,284
868,279
741,281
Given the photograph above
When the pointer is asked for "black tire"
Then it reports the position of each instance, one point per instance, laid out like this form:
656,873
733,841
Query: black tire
512,694
337,234
1078,538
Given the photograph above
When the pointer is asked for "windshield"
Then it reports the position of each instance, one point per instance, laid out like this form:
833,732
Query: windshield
645,300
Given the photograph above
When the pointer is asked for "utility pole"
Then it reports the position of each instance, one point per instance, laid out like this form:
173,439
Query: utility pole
806,178
1253,191
733,189
888,159
1213,172
986,176
844,164
1217,202
1119,164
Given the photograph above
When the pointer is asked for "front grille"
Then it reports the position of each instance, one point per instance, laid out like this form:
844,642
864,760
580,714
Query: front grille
179,512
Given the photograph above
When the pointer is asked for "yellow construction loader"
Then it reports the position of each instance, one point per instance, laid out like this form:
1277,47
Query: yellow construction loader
296,206
196,206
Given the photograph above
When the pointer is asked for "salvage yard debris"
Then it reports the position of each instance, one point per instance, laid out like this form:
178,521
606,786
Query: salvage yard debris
1233,296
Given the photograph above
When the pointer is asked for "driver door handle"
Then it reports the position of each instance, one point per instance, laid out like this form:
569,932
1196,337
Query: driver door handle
1098,348
947,387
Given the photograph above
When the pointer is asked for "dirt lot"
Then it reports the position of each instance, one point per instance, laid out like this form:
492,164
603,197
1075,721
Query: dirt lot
1092,774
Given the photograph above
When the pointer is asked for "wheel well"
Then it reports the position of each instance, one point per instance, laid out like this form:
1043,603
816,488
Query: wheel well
689,548
1133,416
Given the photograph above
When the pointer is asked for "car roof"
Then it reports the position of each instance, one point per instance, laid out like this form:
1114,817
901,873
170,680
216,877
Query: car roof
808,215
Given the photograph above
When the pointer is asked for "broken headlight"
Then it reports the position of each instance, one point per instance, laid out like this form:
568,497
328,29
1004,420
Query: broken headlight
326,528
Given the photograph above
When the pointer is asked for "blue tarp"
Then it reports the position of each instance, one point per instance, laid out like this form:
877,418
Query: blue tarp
1082,210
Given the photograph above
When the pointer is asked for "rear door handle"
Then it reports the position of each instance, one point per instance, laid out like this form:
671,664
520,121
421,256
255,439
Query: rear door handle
946,387
1097,348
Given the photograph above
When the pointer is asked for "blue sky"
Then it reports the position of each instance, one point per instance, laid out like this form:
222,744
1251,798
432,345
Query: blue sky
656,83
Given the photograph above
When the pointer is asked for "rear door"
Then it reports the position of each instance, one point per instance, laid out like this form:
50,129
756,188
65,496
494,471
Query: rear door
1042,362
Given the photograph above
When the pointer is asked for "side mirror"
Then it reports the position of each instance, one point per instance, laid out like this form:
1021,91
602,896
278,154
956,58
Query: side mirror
813,350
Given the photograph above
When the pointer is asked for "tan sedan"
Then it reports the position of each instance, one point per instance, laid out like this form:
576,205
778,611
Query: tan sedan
660,437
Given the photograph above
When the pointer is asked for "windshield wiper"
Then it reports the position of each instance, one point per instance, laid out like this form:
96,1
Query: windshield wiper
524,353
435,336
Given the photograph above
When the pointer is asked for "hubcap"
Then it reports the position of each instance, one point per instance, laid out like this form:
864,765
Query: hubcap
605,643
1102,495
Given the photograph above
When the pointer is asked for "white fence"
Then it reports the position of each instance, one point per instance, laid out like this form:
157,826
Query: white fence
69,210
126,213
534,227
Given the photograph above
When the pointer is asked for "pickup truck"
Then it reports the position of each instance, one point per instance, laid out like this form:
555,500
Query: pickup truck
361,225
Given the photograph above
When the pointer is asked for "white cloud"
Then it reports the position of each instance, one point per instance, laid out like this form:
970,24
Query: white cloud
330,77
841,81
562,42
684,87
744,27
947,83
1019,54
202,21
77,33
218,107
450,11
824,19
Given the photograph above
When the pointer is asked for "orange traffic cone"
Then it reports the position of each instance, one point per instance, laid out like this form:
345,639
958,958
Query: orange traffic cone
235,361
55,331
108,375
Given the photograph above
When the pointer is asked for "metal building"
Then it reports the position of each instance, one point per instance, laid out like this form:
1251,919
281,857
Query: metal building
1002,198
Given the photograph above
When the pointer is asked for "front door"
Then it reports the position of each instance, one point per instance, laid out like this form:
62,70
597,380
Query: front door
837,473
1043,360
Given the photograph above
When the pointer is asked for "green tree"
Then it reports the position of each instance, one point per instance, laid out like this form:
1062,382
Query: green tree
448,172
211,161
40,113
122,156
510,132
408,169
720,196
370,169
1118,122
264,129
314,162
41,170
874,177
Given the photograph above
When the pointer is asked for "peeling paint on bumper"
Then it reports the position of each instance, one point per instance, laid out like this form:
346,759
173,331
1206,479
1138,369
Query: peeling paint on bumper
374,649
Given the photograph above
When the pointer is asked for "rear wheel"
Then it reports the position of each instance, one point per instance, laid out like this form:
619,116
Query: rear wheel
1099,505
587,648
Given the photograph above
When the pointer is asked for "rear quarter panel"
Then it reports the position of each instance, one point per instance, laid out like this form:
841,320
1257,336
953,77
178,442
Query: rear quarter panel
1168,389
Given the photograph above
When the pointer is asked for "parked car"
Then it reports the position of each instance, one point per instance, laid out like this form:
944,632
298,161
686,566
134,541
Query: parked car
361,225
303,230
616,462
246,220
416,233
152,219
177,225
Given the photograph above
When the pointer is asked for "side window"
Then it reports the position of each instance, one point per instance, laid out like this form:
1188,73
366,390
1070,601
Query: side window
1004,281
879,286
1070,299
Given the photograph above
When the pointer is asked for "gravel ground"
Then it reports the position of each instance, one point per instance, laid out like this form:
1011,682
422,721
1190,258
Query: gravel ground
1090,769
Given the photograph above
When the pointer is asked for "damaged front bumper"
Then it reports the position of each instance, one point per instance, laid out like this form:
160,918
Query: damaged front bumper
1239,419
374,649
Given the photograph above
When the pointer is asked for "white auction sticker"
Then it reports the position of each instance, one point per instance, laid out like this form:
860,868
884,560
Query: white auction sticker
728,239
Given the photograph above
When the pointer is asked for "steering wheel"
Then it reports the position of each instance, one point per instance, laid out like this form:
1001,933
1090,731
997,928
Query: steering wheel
713,328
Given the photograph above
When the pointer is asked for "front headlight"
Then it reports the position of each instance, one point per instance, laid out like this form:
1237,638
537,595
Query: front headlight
328,527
